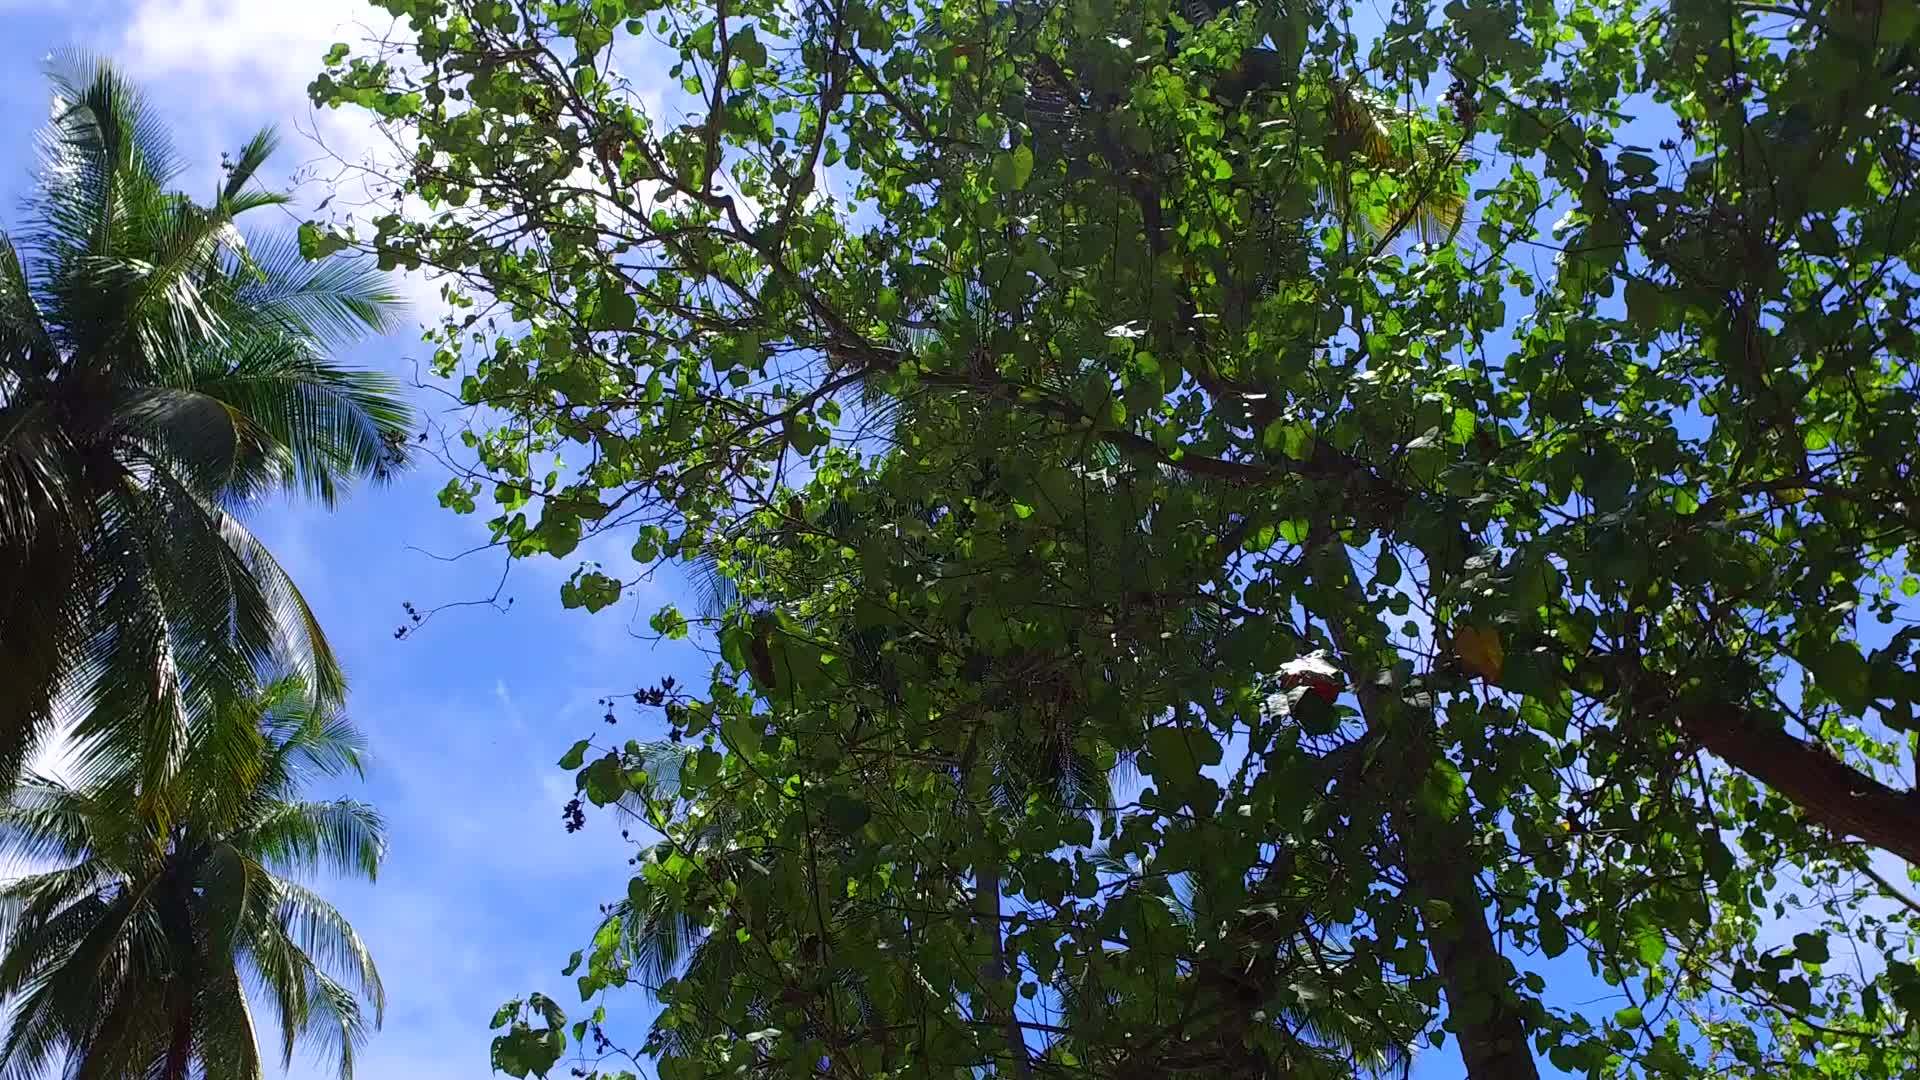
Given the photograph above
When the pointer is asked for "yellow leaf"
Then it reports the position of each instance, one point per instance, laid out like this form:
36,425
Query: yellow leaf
1480,650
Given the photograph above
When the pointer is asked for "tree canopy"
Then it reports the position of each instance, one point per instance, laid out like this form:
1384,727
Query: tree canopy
159,370
1235,526
153,928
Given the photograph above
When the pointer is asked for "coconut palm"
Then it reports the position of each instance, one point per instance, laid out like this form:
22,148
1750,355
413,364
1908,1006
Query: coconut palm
158,371
153,923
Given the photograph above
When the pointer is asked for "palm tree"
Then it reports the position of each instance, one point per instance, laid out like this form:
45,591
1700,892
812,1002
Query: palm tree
162,913
158,371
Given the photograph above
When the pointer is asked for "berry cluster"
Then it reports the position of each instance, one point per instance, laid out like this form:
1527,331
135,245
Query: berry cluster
414,617
1460,99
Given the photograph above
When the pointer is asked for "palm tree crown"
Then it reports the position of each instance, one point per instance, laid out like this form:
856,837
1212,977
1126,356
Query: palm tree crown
158,370
135,945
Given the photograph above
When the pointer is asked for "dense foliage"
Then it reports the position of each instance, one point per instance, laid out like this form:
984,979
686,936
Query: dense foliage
159,371
149,918
1480,519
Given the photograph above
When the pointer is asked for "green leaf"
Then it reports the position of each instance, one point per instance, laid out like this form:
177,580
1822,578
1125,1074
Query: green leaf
742,732
1292,438
1178,753
317,243
1650,944
1315,714
1810,948
604,782
1796,993
803,435
1012,169
847,814
611,307
1080,475
1553,935
592,590
575,754
1463,426
1443,794
1645,305
1842,673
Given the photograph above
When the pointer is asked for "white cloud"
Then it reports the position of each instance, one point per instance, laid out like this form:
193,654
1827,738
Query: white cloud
241,64
251,62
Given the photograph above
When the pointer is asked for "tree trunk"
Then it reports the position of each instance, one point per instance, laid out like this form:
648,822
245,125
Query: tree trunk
176,917
1485,1017
1434,856
1827,790
987,889
180,1046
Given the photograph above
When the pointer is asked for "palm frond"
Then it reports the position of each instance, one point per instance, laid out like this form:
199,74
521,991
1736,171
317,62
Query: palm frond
243,167
223,766
326,301
40,480
255,200
715,589
131,683
229,884
230,1046
157,371
167,308
107,117
658,934
105,159
29,902
311,738
45,819
1401,143
58,937
27,349
46,528
195,607
325,937
278,974
282,416
300,643
186,625
336,1026
340,836
37,1040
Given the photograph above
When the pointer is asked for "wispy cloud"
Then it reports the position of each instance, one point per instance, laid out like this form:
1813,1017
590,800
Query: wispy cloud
245,64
